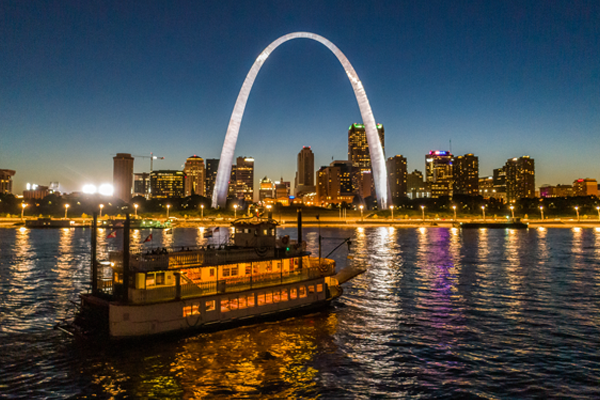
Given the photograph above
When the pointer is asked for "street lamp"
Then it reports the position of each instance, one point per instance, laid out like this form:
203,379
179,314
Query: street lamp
577,211
512,211
235,211
542,211
168,207
23,205
483,211
135,206
361,212
101,207
202,211
454,208
66,209
392,209
423,211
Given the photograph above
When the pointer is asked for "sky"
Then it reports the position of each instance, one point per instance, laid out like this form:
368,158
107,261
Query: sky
82,81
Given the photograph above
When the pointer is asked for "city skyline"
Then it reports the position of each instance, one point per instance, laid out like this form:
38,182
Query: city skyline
498,79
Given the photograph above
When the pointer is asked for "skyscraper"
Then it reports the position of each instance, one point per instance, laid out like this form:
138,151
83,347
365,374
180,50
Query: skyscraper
141,184
6,181
194,176
415,186
212,166
438,173
335,183
305,182
397,176
123,176
266,189
245,178
358,154
167,184
520,178
465,171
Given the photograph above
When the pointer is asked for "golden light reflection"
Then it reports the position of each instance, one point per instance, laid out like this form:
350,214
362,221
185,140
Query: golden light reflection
423,230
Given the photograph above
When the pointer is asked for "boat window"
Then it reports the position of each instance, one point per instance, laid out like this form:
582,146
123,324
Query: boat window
261,299
224,305
160,278
268,298
265,232
233,303
210,305
118,277
284,295
320,287
272,232
269,266
242,302
311,289
250,300
248,269
212,272
234,271
225,272
276,297
150,280
256,232
194,309
302,291
293,293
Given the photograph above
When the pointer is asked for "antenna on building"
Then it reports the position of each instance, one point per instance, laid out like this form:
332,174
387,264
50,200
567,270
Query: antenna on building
450,149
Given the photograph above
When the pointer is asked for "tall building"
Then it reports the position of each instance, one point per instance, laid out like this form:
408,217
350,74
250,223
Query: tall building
397,176
520,178
232,184
282,189
266,190
305,177
438,173
212,166
465,172
245,178
194,176
416,188
141,184
167,184
335,183
123,176
585,187
6,181
358,154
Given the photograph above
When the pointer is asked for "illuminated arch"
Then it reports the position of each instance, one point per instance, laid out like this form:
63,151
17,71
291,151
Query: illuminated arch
376,151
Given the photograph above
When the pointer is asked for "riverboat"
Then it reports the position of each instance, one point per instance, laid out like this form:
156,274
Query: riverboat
49,223
257,276
510,224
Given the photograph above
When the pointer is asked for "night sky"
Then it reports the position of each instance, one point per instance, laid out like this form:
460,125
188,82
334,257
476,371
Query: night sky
83,80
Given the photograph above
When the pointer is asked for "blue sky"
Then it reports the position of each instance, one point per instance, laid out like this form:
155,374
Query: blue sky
81,81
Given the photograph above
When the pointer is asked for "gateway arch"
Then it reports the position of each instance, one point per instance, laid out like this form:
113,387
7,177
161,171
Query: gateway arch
376,151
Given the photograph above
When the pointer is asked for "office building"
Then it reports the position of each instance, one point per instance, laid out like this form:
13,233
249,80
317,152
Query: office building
439,173
465,174
266,190
486,186
397,176
556,191
245,178
585,187
358,154
282,189
141,184
520,178
335,183
416,188
305,176
212,167
232,184
166,184
123,176
194,176
6,184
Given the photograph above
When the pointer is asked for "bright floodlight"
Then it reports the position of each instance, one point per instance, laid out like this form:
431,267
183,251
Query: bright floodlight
89,189
106,189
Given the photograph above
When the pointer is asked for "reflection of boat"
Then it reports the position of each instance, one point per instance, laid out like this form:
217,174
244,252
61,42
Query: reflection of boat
257,277
514,223
135,224
49,223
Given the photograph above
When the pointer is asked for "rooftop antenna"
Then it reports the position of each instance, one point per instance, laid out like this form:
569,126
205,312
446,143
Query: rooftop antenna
450,142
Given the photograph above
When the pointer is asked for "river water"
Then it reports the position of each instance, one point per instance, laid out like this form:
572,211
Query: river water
440,313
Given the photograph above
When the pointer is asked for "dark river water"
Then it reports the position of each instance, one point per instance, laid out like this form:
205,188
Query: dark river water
440,313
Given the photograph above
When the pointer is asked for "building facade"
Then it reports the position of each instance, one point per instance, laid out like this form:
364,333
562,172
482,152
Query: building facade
520,178
397,176
245,178
335,183
123,176
141,184
305,177
439,173
416,188
585,187
194,176
556,191
166,184
266,190
6,184
465,173
210,176
359,155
